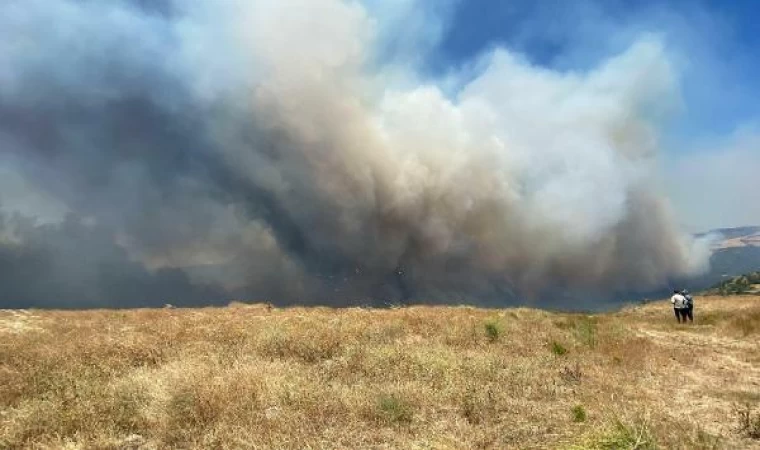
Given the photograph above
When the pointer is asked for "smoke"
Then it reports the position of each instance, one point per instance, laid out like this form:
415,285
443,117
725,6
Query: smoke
283,151
727,171
77,264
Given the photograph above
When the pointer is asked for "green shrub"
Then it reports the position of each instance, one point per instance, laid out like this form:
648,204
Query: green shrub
636,436
578,413
395,410
558,349
493,330
585,331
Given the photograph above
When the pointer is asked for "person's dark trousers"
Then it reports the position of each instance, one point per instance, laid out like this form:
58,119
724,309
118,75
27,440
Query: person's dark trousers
689,313
678,314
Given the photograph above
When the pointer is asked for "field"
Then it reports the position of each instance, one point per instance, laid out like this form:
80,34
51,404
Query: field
253,376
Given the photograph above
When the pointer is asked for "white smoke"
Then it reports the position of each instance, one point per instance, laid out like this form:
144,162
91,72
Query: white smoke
506,171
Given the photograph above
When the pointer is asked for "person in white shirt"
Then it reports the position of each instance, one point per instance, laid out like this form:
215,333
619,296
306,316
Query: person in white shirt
679,306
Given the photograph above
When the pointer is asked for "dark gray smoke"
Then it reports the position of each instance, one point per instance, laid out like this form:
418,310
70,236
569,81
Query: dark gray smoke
260,149
76,264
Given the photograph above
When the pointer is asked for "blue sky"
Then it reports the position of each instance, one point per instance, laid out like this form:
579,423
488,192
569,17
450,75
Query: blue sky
718,39
717,49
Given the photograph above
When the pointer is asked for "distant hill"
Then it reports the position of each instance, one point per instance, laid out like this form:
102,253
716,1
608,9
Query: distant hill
735,237
730,233
736,251
739,285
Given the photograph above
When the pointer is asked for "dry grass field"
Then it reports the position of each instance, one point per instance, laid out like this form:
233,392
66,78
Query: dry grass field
250,376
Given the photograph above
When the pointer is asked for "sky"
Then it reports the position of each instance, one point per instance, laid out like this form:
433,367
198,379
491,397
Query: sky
331,151
712,143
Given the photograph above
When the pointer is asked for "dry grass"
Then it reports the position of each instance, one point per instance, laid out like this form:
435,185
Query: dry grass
420,377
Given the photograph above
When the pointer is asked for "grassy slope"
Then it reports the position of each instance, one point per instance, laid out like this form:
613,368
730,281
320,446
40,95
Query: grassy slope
421,377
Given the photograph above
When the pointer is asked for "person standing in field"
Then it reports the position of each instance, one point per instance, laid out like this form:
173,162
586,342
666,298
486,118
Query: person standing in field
689,305
679,306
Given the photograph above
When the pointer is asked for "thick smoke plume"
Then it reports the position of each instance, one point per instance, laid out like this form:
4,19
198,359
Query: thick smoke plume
268,149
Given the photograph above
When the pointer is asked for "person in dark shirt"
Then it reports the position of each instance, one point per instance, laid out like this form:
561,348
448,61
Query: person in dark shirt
689,305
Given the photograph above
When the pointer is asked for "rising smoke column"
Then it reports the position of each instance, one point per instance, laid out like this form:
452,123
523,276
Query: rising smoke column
266,149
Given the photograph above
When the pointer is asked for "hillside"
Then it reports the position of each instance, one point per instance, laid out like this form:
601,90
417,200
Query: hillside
748,283
735,251
735,237
419,377
733,233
